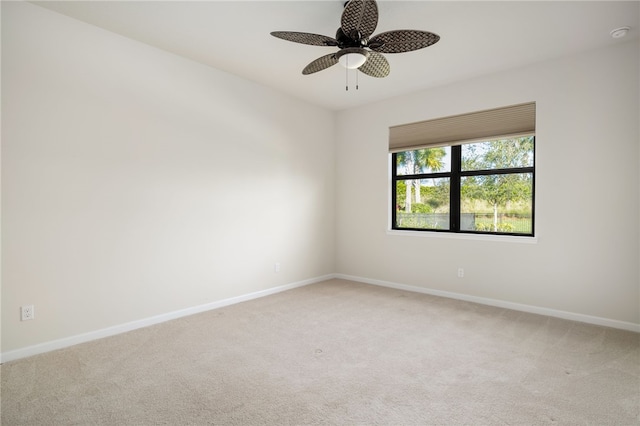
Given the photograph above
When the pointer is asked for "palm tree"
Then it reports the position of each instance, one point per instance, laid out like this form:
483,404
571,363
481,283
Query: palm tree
415,162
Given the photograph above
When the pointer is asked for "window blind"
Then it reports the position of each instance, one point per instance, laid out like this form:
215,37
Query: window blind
510,121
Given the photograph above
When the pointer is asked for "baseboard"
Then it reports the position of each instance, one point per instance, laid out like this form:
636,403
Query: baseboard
123,328
606,322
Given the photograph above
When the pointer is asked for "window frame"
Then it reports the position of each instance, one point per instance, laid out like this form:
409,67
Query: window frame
455,176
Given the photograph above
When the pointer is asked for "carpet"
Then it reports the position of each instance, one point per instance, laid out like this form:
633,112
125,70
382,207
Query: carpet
337,353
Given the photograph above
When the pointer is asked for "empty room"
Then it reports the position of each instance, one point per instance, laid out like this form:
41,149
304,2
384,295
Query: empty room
320,212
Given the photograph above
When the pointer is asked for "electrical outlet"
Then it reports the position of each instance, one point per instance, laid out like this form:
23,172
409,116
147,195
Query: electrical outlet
276,267
27,312
460,272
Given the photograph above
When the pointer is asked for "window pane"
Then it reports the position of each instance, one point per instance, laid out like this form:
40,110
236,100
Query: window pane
497,203
498,154
431,160
422,204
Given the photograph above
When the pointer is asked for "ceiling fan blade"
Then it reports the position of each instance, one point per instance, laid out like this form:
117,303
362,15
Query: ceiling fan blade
320,64
376,66
359,16
305,38
399,41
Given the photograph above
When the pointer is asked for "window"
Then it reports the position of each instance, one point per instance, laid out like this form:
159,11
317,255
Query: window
485,186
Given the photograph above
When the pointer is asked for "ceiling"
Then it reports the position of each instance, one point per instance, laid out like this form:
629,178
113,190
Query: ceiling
477,38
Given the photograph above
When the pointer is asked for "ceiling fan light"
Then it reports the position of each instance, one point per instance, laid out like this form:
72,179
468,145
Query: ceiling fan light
352,60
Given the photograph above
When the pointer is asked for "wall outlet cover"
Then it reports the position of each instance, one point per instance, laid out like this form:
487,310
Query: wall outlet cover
27,312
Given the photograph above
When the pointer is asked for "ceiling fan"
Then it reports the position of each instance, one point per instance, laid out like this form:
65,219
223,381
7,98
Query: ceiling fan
358,50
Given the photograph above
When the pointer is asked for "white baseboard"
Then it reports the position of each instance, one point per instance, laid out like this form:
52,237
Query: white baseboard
145,322
606,322
123,328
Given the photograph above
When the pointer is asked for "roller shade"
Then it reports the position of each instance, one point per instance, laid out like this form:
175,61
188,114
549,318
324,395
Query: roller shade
511,121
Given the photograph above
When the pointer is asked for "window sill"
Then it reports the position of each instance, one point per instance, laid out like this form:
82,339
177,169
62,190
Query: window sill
461,236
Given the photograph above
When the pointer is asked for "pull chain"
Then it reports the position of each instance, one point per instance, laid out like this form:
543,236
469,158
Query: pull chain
346,75
346,78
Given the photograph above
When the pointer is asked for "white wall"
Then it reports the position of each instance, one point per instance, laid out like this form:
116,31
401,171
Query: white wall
587,186
136,183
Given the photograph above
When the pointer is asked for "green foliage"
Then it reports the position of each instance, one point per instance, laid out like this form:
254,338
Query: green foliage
498,154
401,191
484,226
421,160
415,162
436,195
498,189
506,227
422,221
421,208
502,227
506,223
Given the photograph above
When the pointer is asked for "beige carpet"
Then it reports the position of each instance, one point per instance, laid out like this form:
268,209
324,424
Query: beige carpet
337,352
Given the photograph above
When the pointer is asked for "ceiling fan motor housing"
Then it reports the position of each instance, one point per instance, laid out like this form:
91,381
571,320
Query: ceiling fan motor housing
353,40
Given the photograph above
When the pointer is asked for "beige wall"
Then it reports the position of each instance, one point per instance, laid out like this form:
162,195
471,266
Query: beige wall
136,183
587,185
